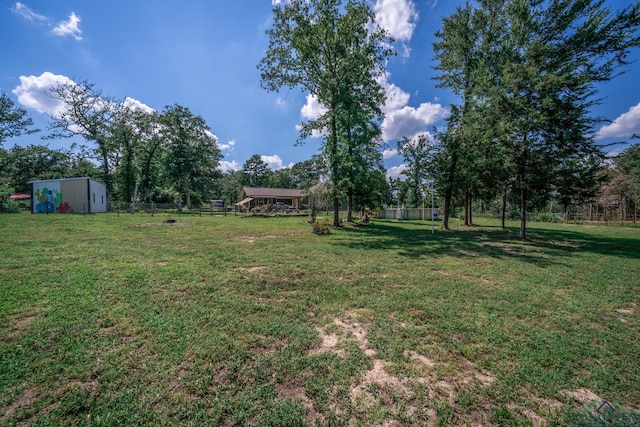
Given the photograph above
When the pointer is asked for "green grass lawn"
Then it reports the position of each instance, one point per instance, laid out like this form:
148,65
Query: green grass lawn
125,320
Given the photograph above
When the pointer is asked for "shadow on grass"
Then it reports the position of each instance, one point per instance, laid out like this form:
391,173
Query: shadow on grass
543,247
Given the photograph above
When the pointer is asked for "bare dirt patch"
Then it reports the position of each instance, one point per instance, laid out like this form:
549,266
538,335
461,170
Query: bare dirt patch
31,395
24,321
441,380
420,358
89,386
19,325
535,419
254,269
378,375
252,239
329,343
630,311
358,332
545,404
582,395
26,399
298,393
541,405
176,385
485,378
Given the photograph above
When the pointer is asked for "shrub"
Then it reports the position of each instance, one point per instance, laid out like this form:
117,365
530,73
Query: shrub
545,217
6,204
9,206
321,226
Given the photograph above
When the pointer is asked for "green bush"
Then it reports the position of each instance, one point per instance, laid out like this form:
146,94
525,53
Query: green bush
514,214
6,204
9,206
545,217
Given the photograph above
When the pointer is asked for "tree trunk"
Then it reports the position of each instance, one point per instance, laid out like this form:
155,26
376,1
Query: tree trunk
351,178
179,196
523,212
522,176
448,191
105,171
333,154
465,208
504,208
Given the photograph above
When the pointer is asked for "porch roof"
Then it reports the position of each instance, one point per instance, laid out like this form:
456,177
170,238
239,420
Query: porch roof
272,193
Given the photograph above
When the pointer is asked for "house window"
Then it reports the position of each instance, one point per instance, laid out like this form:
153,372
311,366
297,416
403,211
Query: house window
102,199
94,197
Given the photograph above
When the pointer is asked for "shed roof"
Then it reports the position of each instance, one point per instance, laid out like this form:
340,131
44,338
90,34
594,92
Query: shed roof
260,192
65,179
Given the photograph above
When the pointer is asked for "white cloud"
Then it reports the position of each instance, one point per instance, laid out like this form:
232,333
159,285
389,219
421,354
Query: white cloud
315,133
69,28
409,121
612,155
281,102
624,126
398,17
312,109
211,135
131,105
134,104
27,13
231,166
274,162
33,93
389,153
396,171
406,51
401,119
229,146
395,97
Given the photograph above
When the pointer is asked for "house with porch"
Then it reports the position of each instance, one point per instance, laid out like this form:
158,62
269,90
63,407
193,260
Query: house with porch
269,199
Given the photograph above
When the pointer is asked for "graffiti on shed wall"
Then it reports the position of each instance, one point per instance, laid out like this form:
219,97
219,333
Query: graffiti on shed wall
49,199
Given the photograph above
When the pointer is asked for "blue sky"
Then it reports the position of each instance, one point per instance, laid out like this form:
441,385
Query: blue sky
202,54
